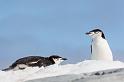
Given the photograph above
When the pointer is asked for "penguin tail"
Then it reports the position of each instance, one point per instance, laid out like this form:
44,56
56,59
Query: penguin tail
7,69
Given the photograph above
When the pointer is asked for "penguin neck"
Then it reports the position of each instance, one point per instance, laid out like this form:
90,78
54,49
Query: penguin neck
52,61
97,38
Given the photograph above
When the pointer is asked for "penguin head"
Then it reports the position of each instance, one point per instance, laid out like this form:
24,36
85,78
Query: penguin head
96,33
57,59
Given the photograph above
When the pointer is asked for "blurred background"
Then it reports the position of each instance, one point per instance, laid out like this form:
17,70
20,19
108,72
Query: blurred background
47,27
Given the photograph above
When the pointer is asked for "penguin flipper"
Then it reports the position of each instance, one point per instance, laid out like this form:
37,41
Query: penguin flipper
91,49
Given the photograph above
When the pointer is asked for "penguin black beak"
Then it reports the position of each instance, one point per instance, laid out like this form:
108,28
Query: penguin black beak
64,58
87,33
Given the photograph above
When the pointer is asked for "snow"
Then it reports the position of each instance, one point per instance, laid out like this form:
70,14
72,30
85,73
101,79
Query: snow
110,77
77,69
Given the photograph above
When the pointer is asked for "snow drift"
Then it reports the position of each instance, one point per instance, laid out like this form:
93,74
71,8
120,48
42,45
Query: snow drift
88,68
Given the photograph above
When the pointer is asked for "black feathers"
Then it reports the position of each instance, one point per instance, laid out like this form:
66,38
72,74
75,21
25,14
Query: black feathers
91,49
98,30
33,61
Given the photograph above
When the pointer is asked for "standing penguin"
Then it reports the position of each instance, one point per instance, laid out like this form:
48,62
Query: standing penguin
100,49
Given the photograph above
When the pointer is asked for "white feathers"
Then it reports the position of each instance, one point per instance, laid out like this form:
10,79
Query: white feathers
57,60
20,66
101,50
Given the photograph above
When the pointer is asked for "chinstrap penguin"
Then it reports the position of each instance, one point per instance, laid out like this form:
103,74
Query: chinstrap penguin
35,61
100,49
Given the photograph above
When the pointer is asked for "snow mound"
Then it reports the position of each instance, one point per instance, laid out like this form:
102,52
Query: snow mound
30,73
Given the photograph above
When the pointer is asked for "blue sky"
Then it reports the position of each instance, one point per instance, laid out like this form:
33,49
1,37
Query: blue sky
46,27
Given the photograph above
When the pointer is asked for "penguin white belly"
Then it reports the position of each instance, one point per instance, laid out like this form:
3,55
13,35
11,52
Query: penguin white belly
20,66
101,50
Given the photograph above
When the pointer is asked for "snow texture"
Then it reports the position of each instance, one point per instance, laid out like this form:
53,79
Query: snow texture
85,71
116,75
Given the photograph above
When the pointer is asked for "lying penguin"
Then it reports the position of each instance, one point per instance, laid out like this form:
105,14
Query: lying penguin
35,61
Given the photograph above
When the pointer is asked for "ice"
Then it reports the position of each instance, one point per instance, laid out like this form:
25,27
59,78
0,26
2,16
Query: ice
63,72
